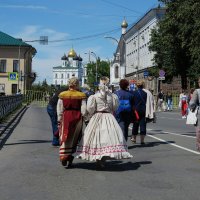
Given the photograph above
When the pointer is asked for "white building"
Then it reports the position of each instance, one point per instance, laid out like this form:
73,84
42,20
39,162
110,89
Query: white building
117,67
132,56
71,66
137,38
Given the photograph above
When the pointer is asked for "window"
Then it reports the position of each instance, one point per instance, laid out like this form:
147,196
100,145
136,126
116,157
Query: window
2,66
67,75
62,82
14,88
61,75
117,72
56,76
55,82
15,65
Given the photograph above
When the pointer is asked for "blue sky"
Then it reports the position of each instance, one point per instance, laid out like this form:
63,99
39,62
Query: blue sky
67,20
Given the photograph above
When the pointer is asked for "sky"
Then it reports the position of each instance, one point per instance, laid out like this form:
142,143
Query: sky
81,24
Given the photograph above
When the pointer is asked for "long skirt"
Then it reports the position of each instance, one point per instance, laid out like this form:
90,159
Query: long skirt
102,137
69,135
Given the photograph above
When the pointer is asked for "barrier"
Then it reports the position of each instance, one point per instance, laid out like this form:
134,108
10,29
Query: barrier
36,97
9,103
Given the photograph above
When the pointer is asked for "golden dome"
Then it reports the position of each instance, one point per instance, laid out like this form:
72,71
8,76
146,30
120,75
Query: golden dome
124,24
72,53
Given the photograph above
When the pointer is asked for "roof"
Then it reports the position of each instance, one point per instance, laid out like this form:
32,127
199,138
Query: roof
7,40
60,67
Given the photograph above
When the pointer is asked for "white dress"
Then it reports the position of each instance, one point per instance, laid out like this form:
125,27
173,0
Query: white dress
103,135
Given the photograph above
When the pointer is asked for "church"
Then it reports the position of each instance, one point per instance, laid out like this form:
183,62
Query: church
71,66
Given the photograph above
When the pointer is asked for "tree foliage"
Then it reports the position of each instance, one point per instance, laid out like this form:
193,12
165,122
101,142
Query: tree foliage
103,69
176,40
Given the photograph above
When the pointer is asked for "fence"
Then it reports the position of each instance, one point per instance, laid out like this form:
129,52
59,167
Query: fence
175,101
8,104
36,97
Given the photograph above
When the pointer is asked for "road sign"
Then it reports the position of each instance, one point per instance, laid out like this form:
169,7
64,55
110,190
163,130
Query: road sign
96,83
146,73
12,76
161,73
161,78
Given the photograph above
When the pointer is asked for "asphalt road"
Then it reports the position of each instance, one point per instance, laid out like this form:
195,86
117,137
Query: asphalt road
168,167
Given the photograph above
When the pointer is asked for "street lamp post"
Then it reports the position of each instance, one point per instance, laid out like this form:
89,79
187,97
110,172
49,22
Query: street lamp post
92,53
43,40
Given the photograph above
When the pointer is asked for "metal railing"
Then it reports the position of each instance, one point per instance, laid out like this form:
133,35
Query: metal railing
36,97
8,104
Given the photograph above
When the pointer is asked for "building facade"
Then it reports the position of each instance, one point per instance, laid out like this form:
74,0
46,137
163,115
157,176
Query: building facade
71,66
15,65
132,56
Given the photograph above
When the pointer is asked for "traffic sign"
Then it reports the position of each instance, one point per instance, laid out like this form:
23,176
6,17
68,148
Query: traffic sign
161,78
12,76
161,73
146,73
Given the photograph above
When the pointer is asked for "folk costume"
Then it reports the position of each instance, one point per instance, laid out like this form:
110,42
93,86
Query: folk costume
103,137
70,109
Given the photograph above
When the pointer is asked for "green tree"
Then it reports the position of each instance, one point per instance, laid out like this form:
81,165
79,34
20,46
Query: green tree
176,40
103,69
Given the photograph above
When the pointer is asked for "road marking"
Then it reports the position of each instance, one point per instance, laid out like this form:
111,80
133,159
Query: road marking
173,133
170,118
175,145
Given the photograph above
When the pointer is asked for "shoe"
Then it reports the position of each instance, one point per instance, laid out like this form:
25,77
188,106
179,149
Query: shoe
70,162
133,140
64,162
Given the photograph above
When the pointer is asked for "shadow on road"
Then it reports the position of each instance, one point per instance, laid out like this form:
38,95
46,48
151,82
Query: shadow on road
28,142
149,144
112,166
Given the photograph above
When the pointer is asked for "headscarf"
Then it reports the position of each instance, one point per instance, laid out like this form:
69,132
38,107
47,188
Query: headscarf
73,82
103,88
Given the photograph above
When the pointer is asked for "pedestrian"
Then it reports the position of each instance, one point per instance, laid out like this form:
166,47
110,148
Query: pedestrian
183,104
103,138
51,110
194,104
125,109
160,101
190,94
70,109
150,106
169,101
139,99
18,92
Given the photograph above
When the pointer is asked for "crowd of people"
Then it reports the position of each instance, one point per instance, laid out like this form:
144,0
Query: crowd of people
94,126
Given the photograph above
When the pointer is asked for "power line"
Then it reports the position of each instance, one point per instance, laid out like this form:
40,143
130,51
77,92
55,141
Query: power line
87,37
121,6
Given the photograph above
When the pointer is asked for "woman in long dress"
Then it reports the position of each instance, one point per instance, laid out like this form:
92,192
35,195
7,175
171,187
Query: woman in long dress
103,137
70,109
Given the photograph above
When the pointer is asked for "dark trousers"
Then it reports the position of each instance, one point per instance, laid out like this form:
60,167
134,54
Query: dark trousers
142,124
53,116
124,120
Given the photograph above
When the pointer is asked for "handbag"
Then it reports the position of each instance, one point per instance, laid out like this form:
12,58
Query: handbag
192,117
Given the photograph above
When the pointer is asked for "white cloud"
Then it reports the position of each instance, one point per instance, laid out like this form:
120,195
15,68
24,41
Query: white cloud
24,7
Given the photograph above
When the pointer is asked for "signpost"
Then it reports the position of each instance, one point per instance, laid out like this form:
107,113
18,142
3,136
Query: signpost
12,76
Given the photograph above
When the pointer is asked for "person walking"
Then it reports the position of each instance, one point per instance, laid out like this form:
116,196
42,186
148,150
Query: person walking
51,110
70,109
169,101
160,101
139,99
183,104
103,138
125,109
194,104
